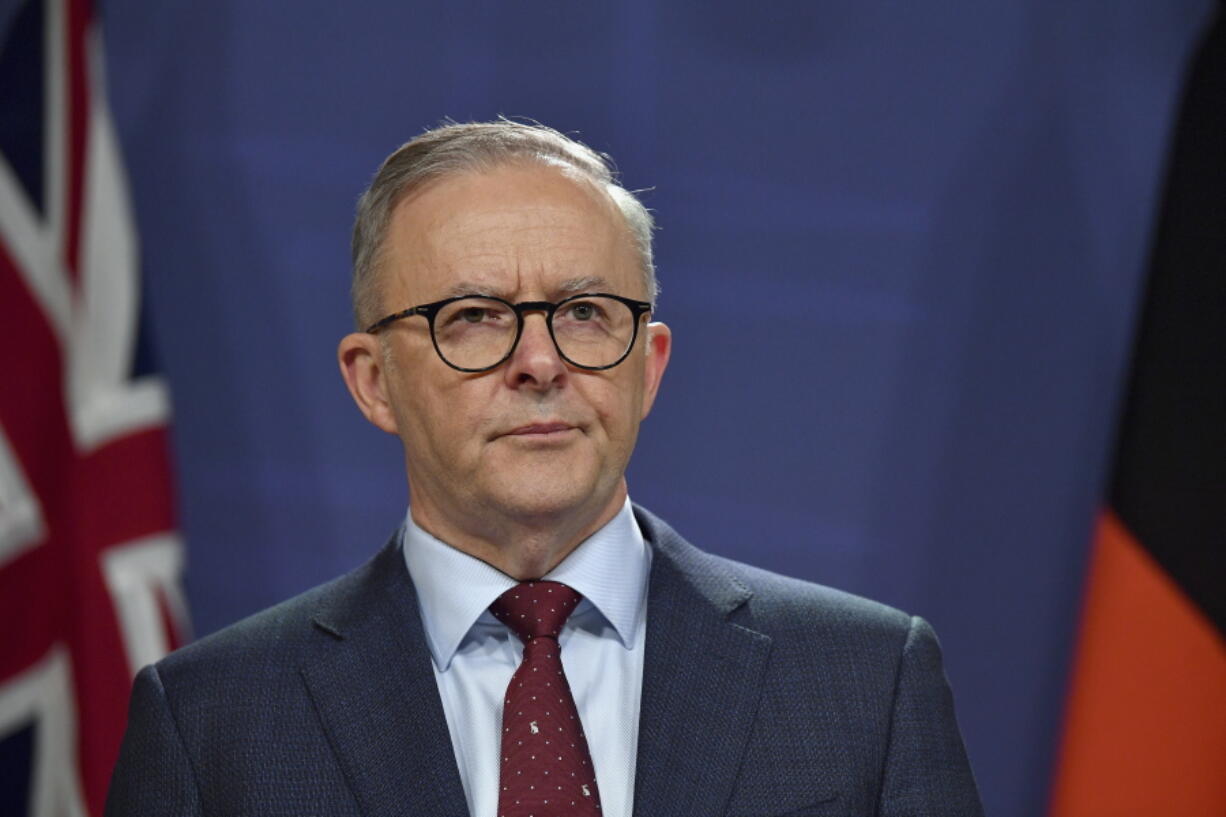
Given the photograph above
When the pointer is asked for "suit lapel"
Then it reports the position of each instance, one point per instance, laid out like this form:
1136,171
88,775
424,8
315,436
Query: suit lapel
702,678
373,685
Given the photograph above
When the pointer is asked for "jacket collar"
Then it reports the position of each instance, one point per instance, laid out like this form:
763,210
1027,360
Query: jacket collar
702,679
372,682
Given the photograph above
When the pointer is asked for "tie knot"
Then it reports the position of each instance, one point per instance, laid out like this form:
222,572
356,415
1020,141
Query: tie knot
535,609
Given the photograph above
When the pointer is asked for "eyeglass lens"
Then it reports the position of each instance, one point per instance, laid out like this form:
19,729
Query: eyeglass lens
476,333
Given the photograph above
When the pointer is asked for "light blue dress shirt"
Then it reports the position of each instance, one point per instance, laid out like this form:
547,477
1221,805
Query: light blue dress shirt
475,655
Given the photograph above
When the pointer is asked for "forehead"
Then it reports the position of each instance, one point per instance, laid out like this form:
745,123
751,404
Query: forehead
515,231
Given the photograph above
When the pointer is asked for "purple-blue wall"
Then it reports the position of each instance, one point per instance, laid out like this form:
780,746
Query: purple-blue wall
900,246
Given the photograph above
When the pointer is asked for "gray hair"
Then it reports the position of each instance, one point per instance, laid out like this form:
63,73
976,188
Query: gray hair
452,149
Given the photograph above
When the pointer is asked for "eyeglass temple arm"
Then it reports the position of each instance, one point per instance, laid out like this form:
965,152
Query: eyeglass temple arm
395,316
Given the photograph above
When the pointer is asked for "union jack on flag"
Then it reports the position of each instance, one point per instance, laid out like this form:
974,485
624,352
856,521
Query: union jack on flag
90,562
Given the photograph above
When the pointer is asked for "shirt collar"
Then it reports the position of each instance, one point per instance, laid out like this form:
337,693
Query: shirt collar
609,569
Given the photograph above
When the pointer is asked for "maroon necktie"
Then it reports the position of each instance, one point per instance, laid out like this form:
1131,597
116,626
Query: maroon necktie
546,768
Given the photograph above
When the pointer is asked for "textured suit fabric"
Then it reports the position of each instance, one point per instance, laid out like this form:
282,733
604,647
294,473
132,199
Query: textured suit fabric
762,695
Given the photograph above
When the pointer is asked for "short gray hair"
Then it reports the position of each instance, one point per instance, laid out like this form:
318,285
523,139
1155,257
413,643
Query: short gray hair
453,149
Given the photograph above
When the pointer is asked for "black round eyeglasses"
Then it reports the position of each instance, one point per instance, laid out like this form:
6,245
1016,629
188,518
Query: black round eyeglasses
476,333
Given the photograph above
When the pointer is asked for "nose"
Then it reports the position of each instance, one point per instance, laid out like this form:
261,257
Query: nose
535,363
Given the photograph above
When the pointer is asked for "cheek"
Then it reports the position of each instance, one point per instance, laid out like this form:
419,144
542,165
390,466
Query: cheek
442,425
620,410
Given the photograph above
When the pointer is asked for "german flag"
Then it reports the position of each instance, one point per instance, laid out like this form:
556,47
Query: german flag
1145,729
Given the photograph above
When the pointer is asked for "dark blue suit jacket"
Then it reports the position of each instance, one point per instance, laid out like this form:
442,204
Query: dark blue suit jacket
762,695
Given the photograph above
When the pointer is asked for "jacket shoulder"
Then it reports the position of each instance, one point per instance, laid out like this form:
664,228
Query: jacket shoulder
784,601
270,640
770,601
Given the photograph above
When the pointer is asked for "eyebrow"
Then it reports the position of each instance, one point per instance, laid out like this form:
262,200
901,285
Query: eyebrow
465,288
587,283
571,286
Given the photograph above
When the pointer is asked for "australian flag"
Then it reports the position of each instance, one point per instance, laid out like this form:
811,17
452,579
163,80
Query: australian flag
90,562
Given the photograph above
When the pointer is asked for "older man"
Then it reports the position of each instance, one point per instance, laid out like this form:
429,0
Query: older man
530,643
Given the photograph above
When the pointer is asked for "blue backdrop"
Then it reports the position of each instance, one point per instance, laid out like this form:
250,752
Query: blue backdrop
947,207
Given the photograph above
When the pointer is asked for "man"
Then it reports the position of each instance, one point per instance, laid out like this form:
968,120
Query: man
529,643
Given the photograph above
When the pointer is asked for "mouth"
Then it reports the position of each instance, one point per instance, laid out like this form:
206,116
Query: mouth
541,431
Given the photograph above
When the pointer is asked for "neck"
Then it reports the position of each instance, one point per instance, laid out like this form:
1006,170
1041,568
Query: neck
521,546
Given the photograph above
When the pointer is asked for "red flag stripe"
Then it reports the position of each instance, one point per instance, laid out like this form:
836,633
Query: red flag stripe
1146,727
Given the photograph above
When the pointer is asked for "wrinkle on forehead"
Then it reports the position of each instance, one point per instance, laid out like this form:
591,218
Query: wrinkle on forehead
508,233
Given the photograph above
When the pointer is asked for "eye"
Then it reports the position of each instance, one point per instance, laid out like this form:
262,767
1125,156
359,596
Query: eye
475,314
584,311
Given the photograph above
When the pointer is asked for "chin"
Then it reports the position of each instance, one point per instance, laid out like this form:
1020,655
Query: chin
549,485
544,504
538,494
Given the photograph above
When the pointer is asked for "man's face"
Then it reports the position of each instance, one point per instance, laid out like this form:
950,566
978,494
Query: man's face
535,439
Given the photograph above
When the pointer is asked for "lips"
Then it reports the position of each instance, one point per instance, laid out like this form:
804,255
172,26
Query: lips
539,429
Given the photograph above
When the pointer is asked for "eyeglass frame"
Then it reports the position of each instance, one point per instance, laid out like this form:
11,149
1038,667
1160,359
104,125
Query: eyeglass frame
428,311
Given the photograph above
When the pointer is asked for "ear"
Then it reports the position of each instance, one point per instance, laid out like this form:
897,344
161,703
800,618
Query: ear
362,366
659,347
